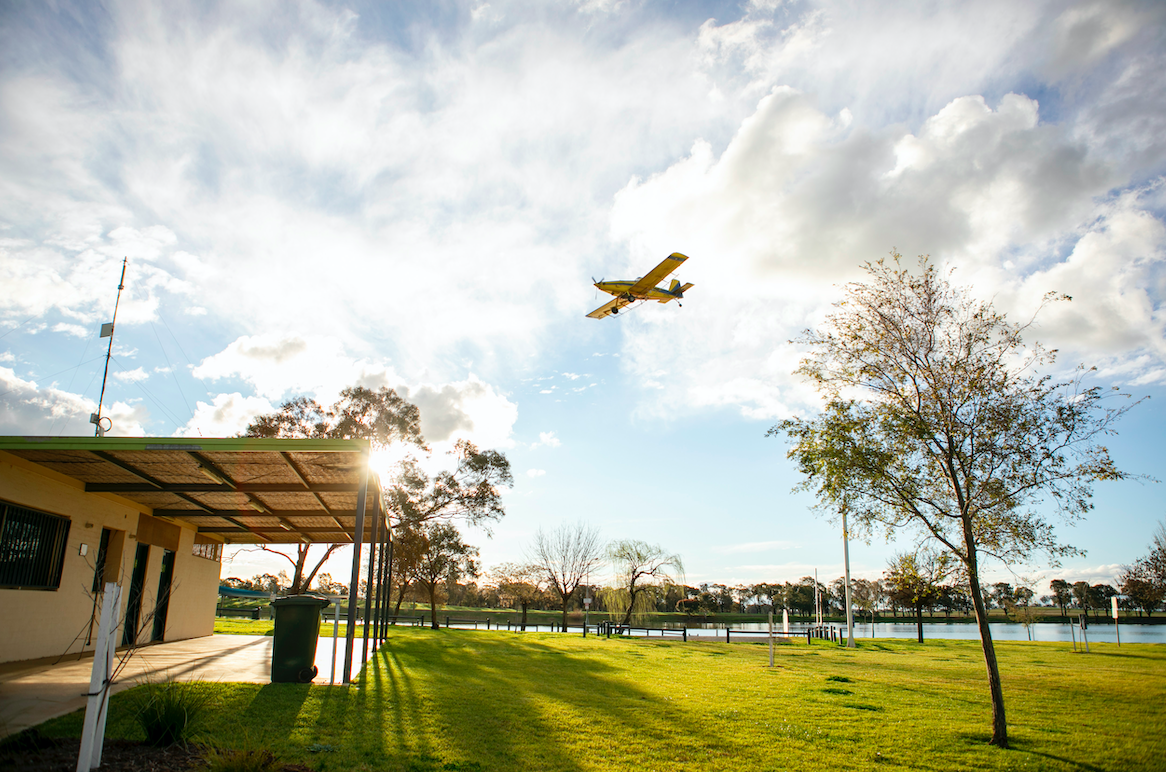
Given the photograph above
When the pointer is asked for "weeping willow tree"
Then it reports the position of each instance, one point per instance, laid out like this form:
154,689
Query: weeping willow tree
643,572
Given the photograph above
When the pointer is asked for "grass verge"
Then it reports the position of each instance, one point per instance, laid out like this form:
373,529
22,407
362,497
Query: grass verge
457,699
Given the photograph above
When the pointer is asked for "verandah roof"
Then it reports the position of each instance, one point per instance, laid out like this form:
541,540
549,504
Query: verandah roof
237,490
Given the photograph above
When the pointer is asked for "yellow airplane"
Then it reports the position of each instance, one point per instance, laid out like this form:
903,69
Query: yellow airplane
628,292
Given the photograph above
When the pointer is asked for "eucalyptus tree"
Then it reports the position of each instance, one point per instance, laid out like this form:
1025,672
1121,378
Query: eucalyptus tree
520,584
936,421
914,580
442,557
1062,594
378,415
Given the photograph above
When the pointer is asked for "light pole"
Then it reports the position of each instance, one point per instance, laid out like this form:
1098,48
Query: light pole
846,563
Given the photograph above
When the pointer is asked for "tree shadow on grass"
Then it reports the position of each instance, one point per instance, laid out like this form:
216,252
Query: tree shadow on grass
515,702
272,714
1021,746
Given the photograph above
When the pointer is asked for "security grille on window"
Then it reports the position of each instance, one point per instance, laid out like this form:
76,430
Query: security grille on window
32,548
209,551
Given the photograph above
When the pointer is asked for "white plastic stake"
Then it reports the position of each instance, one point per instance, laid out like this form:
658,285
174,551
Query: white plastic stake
93,731
771,639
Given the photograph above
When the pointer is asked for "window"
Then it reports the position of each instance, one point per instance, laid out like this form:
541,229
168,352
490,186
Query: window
212,551
32,548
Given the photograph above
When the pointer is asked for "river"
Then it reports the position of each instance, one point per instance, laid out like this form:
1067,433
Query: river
1001,631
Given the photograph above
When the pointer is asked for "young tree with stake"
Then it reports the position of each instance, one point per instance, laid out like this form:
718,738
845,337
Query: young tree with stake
934,422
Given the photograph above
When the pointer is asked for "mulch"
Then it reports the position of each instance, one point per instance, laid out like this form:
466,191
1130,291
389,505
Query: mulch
32,752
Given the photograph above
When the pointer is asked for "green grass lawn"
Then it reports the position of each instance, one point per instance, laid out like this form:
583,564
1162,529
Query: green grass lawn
460,699
267,627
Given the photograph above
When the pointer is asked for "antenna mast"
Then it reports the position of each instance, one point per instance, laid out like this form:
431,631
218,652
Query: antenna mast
107,332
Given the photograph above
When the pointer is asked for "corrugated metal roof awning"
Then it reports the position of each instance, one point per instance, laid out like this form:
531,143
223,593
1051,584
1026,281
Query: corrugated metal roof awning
240,490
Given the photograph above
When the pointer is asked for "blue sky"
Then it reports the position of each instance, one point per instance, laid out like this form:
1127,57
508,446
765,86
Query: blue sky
417,195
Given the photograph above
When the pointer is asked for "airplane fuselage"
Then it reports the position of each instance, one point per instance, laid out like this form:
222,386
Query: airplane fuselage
624,289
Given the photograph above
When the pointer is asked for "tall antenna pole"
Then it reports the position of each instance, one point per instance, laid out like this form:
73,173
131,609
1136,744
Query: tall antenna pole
107,332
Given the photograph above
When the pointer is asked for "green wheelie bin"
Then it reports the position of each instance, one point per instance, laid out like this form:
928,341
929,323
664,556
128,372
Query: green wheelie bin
297,628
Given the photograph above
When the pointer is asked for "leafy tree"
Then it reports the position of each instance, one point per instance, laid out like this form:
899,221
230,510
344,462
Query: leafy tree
765,594
326,585
442,555
567,555
1138,585
1062,594
935,423
866,595
380,416
1155,562
1003,594
271,583
800,596
520,584
1099,595
470,492
1081,595
951,598
913,580
639,566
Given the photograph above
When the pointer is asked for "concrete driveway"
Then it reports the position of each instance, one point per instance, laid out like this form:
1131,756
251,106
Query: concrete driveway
33,693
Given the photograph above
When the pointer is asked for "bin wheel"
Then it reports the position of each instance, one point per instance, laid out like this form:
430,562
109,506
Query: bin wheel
306,675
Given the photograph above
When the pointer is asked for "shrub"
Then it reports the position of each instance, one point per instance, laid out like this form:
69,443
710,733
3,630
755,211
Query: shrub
168,711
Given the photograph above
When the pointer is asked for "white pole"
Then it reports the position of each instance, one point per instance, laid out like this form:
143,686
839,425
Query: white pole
817,604
846,560
93,731
785,621
335,632
771,639
1116,632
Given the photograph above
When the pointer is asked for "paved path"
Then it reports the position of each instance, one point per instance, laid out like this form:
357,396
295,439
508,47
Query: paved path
34,694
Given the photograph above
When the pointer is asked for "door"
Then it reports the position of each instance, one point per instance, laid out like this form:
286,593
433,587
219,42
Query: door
164,582
134,602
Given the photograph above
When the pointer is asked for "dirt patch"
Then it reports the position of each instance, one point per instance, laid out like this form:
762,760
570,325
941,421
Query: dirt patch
31,752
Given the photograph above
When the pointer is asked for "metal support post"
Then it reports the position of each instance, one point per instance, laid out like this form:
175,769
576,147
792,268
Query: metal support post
354,584
369,582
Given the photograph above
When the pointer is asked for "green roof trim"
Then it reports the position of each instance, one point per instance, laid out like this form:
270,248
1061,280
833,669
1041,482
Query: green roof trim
218,444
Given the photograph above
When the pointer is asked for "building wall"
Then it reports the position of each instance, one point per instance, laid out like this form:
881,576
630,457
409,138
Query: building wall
49,623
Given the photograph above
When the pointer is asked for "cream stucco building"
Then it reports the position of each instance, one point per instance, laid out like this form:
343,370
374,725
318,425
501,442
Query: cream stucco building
153,515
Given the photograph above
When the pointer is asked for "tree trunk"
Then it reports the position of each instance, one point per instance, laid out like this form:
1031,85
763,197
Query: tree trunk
999,724
524,605
919,622
400,598
627,617
433,606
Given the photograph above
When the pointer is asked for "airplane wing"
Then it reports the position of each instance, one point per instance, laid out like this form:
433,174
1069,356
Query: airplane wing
669,264
608,308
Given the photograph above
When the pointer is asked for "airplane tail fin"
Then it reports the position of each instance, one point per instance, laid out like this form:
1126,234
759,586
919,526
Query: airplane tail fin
676,290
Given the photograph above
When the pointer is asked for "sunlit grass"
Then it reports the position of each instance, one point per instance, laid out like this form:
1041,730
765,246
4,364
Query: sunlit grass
267,627
455,699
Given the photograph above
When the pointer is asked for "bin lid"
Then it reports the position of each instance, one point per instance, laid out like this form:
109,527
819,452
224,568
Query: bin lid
302,600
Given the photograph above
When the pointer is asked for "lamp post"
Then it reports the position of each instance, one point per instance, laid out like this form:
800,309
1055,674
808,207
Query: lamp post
846,563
